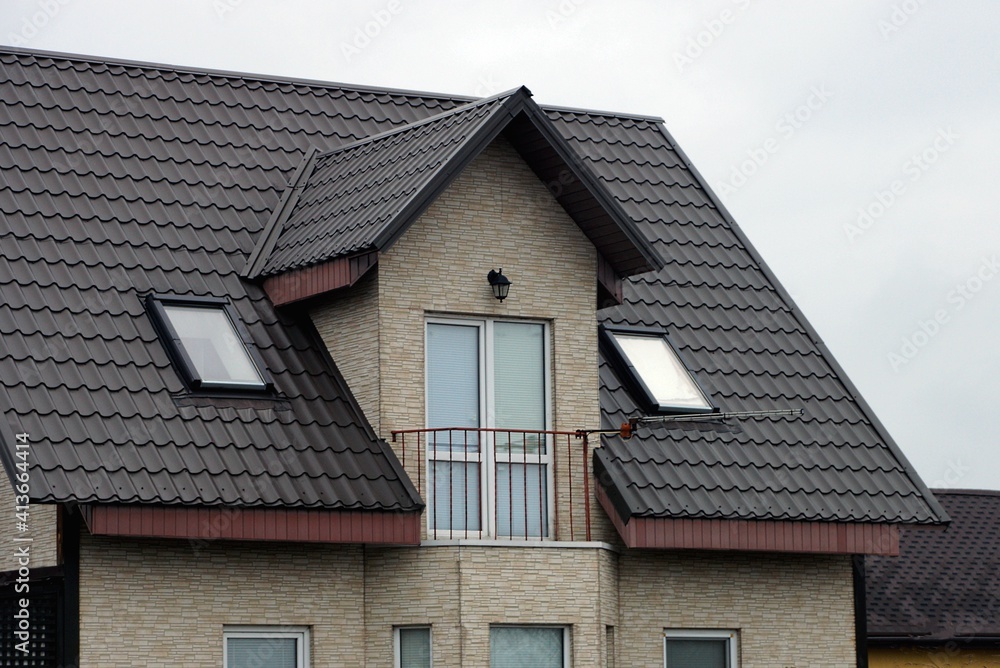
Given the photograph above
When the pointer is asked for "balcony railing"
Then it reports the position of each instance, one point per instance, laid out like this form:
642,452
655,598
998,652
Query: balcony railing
500,483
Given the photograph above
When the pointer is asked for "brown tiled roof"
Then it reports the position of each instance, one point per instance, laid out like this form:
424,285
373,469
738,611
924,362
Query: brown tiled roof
945,583
363,196
123,178
119,181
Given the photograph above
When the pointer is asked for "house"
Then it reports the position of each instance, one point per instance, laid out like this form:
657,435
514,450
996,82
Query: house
938,602
263,407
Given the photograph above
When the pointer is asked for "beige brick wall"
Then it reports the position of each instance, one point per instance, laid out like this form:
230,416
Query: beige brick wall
349,326
462,590
789,611
165,603
42,530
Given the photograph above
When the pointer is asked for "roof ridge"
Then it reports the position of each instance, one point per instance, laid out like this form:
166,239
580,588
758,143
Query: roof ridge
599,112
255,76
965,492
378,136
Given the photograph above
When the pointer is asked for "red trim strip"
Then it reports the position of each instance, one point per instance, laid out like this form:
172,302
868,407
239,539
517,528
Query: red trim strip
754,535
298,284
257,524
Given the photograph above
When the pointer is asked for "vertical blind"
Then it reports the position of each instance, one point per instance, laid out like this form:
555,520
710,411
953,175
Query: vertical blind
257,652
697,653
526,647
415,648
452,376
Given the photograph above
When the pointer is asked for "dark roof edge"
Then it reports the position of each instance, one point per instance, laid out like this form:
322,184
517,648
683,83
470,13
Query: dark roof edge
599,112
378,136
594,185
231,74
801,319
965,492
7,442
604,476
269,236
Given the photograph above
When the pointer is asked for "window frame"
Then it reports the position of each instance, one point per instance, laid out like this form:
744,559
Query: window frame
397,657
487,457
567,638
156,306
633,379
299,633
731,636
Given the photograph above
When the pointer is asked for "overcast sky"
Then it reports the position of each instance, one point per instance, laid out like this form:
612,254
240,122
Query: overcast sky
855,142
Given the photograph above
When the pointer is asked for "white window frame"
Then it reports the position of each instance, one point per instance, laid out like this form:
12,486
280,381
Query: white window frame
397,659
487,456
704,634
567,637
299,633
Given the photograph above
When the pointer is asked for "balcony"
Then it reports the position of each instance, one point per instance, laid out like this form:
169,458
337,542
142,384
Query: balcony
504,484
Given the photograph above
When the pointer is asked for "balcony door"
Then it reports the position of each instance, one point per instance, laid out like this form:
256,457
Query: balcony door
488,374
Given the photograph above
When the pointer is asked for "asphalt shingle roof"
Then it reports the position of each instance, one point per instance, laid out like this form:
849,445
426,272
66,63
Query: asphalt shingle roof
945,584
125,178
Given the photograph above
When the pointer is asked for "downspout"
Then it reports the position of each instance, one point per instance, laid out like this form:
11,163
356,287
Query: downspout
860,610
69,545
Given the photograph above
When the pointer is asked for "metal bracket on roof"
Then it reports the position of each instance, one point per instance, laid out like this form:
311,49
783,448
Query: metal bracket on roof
628,428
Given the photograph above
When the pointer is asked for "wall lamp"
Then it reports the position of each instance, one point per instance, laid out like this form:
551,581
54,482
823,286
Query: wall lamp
499,283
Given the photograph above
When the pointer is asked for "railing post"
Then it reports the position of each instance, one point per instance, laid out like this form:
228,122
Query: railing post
586,485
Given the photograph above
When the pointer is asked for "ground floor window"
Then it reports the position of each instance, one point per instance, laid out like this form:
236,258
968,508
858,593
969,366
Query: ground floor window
413,647
699,649
271,646
534,646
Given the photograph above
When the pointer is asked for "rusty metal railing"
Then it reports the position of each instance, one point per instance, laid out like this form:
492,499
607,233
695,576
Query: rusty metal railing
500,483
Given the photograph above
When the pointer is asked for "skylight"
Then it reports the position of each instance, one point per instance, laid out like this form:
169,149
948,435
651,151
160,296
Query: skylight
658,373
208,343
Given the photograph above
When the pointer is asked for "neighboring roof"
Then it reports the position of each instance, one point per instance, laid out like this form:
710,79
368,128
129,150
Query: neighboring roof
363,196
163,179
119,181
945,585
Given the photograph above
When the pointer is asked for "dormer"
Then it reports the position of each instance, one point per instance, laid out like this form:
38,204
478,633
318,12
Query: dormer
389,242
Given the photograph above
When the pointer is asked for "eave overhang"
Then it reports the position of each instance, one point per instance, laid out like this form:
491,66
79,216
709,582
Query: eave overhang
212,523
669,533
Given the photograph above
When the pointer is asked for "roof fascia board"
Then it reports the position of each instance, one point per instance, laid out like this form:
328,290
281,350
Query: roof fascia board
269,237
592,184
801,319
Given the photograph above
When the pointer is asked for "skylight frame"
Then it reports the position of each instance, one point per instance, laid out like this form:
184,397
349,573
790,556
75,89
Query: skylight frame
633,378
157,305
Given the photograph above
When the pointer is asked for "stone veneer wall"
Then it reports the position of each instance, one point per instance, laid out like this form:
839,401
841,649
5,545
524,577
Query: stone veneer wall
42,528
166,603
789,611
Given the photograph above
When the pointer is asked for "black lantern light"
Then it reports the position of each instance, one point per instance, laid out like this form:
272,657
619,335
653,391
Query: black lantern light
499,283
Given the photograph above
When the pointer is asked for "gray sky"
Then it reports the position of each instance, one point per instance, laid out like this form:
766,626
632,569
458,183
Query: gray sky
855,142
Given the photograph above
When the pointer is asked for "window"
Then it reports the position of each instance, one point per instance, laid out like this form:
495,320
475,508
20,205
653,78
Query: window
535,646
271,646
488,374
656,371
699,649
413,646
207,342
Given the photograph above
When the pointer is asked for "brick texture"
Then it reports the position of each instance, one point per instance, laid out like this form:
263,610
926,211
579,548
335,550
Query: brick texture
41,529
789,611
